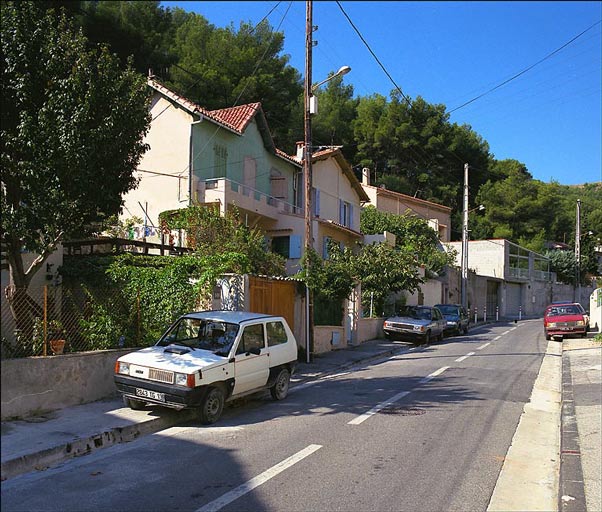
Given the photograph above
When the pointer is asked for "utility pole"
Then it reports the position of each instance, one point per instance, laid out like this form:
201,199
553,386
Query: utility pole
464,256
578,251
307,179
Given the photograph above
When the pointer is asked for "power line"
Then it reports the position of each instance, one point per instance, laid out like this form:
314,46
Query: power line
406,98
526,69
373,54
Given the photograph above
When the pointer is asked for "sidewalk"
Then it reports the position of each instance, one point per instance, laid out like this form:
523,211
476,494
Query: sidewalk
42,441
581,439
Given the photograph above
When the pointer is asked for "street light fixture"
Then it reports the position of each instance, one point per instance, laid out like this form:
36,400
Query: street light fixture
343,70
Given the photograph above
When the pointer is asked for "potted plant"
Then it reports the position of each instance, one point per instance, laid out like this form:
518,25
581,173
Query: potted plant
56,336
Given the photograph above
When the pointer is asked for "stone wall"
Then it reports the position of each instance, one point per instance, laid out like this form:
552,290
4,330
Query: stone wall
37,384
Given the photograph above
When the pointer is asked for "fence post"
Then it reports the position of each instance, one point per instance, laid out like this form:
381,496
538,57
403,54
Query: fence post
485,314
45,347
138,315
475,314
497,313
520,312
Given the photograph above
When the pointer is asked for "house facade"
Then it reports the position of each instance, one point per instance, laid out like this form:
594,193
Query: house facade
437,215
518,280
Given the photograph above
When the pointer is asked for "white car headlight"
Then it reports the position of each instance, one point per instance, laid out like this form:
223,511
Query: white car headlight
181,379
419,328
552,325
580,323
122,368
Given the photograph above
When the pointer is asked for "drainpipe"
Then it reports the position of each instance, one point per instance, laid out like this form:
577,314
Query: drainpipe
191,162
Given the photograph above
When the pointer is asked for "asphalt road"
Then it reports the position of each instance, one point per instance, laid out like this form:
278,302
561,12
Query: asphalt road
427,429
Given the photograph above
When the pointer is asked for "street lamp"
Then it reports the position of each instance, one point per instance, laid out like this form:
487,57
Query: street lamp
310,108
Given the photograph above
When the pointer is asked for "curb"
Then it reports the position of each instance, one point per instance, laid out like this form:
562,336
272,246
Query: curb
40,461
529,478
572,484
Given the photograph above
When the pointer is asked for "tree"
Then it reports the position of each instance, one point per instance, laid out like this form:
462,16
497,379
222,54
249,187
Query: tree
414,236
210,234
72,134
222,67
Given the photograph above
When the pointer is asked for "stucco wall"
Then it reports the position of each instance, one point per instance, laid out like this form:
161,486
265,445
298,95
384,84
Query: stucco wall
168,155
323,338
48,383
369,329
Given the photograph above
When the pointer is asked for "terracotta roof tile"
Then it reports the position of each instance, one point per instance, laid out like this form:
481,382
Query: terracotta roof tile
238,117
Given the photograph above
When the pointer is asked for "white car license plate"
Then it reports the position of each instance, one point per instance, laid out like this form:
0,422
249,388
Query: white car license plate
145,393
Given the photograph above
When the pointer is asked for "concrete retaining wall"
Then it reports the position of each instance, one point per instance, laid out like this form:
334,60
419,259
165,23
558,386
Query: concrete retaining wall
369,329
36,384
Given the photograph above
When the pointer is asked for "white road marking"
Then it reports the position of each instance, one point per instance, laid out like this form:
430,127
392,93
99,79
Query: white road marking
505,332
433,375
496,338
483,346
393,399
460,359
260,479
376,408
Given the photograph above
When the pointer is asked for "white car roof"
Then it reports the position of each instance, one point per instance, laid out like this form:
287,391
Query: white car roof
233,317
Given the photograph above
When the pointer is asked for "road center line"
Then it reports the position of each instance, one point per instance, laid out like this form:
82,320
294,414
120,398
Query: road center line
460,359
483,346
260,479
376,408
496,338
433,375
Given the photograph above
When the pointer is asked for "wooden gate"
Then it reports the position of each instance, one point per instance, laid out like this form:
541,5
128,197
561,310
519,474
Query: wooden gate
273,297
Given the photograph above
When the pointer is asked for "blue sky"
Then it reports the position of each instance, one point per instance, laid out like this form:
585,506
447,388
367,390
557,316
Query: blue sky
549,118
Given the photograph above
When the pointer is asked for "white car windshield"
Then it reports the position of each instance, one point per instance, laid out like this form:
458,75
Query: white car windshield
212,335
417,312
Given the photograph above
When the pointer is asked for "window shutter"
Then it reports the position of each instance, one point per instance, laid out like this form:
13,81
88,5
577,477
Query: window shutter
316,202
350,224
341,212
325,241
294,248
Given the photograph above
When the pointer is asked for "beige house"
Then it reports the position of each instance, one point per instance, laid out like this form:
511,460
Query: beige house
227,158
438,216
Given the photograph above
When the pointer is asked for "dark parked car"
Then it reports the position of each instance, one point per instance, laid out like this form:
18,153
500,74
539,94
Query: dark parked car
562,320
456,316
419,324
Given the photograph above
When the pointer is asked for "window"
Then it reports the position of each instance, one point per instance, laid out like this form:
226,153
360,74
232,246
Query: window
280,245
276,333
278,185
252,337
249,175
287,246
345,213
220,161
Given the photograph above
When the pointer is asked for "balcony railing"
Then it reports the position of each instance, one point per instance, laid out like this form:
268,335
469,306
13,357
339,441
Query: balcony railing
519,273
523,273
260,201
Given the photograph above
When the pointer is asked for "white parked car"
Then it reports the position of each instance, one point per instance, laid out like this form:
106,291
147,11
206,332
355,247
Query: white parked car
421,324
207,358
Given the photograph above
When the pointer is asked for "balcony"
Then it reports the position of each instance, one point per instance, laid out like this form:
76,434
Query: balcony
228,192
523,273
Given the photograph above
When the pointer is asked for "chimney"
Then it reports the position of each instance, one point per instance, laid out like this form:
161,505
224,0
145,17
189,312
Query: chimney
300,150
365,176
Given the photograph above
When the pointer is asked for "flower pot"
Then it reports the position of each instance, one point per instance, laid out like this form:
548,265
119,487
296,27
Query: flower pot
57,346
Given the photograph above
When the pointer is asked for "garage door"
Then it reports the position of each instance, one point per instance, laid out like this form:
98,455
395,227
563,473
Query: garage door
513,299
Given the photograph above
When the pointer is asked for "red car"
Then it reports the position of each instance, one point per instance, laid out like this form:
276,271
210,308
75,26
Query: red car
562,320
